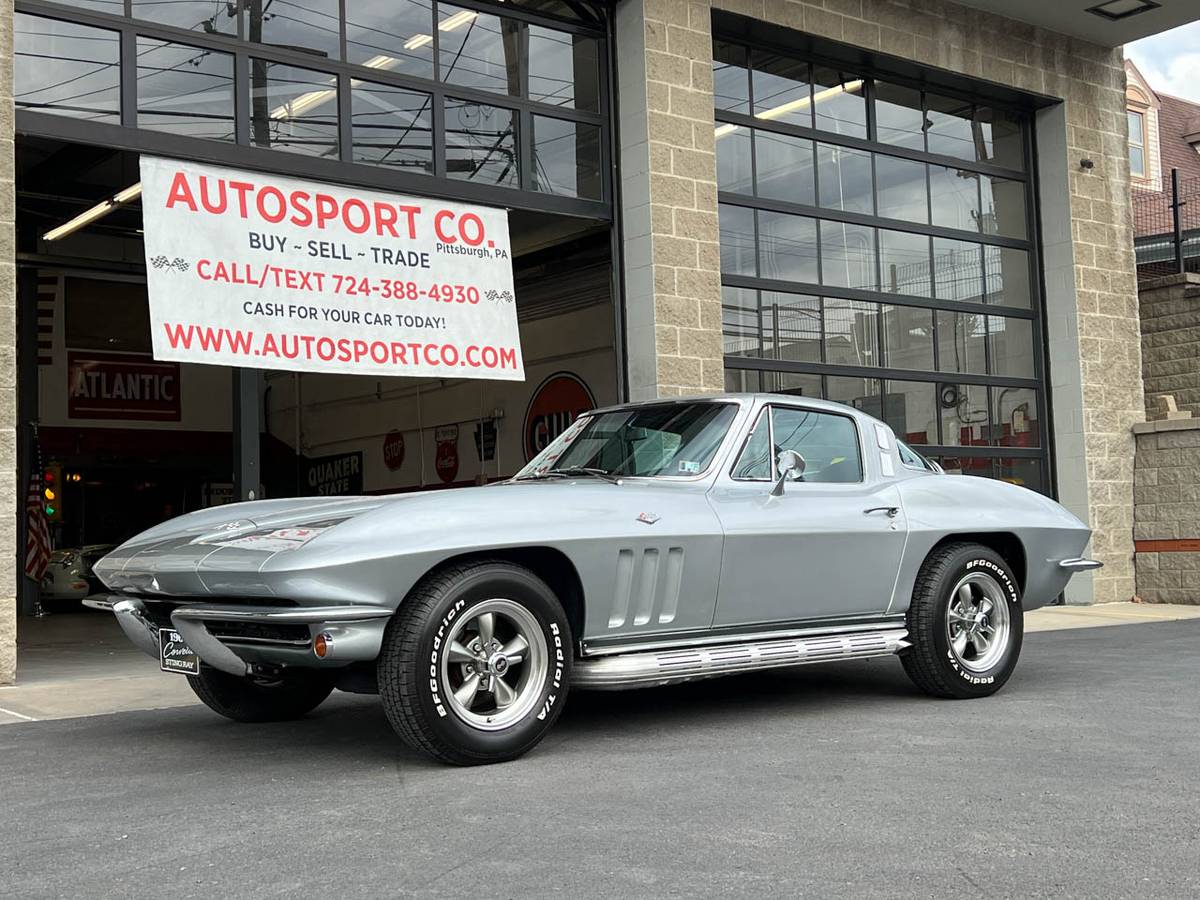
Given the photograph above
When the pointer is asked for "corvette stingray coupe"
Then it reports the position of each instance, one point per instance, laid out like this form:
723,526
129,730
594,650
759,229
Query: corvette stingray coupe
649,544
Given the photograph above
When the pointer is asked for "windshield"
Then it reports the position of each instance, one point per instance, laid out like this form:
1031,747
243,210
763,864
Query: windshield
675,439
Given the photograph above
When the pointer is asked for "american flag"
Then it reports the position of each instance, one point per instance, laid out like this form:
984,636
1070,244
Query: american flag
37,541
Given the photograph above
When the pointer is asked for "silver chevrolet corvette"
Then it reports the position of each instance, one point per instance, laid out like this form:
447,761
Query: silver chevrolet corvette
649,544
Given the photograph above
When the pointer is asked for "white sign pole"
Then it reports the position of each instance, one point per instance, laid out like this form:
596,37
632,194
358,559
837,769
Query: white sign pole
262,271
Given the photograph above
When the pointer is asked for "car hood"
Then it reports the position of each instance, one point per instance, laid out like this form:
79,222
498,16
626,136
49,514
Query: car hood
209,551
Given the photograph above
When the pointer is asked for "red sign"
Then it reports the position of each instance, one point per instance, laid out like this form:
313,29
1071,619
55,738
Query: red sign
122,386
558,401
446,459
393,450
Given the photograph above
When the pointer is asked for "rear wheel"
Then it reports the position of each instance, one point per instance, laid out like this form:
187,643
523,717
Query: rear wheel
965,623
475,666
290,695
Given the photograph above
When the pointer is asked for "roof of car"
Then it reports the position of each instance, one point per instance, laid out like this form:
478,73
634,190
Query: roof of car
744,399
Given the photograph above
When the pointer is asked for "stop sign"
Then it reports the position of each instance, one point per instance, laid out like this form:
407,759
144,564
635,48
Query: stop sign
393,450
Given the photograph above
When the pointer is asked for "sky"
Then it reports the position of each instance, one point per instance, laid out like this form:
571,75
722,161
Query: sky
1170,61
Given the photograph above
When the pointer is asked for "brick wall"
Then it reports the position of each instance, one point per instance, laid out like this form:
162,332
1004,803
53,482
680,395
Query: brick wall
1170,310
1167,509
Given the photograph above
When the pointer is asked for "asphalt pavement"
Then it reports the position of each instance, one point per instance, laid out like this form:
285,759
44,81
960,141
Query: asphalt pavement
1080,779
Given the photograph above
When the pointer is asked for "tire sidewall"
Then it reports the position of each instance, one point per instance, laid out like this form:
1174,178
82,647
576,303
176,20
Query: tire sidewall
487,583
966,561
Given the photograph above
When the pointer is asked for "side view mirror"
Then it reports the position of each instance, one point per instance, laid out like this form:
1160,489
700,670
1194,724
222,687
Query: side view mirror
790,466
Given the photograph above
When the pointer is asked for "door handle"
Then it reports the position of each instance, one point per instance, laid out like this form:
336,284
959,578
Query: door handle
892,511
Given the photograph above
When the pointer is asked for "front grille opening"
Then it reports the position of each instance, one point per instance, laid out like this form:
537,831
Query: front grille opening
259,631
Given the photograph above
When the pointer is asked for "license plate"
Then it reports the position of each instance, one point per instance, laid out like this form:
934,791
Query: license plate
174,655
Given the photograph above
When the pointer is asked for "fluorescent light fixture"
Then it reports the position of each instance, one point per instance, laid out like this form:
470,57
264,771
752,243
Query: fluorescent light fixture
417,41
460,18
724,129
312,99
783,109
1115,10
99,211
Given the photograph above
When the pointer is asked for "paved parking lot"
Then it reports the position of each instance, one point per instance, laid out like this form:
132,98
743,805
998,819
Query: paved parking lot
1079,779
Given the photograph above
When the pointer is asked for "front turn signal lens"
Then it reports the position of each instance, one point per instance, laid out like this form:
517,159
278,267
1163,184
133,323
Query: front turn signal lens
321,645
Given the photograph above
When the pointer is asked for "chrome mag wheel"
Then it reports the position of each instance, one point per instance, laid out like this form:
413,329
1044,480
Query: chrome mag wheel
978,622
495,665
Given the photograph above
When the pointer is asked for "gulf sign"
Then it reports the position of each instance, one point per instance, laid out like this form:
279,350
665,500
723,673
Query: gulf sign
557,402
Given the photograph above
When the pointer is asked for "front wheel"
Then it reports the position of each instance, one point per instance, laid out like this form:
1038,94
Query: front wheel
476,664
965,623
289,695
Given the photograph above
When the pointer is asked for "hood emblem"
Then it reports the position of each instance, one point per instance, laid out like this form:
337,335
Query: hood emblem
647,518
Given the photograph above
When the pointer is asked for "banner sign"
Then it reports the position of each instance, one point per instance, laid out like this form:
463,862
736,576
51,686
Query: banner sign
335,475
262,271
122,386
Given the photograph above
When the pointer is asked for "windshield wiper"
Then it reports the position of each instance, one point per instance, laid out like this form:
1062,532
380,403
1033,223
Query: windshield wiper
572,472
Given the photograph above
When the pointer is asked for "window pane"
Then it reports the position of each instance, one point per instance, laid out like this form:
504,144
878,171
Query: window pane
848,255
844,177
907,337
792,383
1137,161
479,50
106,315
851,332
784,167
792,323
828,443
954,197
950,128
564,69
1025,472
964,414
198,15
394,37
392,127
861,393
1011,346
957,270
1016,417
904,262
910,410
978,466
899,118
1135,127
1007,276
839,101
960,340
787,247
481,143
754,463
311,26
742,381
740,322
1003,137
731,77
185,90
66,69
738,252
566,158
115,7
781,90
734,163
900,189
1003,206
293,109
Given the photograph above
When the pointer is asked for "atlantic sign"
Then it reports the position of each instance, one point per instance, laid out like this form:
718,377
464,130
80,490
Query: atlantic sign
263,271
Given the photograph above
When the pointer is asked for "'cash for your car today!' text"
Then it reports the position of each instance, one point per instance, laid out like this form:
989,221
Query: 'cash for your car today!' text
263,271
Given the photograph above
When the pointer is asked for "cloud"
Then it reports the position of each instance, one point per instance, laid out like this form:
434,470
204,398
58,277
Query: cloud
1171,60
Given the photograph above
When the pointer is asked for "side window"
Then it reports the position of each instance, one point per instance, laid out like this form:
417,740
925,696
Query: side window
910,457
755,462
827,441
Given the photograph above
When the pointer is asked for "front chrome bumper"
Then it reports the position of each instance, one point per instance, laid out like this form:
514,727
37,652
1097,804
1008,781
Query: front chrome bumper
1079,564
352,633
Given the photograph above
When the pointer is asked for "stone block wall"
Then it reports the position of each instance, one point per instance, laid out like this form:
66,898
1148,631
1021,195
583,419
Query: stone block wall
1167,511
1170,310
669,213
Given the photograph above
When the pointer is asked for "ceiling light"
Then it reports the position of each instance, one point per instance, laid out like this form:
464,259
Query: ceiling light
1115,10
99,211
725,129
305,102
460,18
783,109
417,41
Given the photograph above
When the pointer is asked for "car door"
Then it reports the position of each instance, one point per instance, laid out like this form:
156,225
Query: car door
830,545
